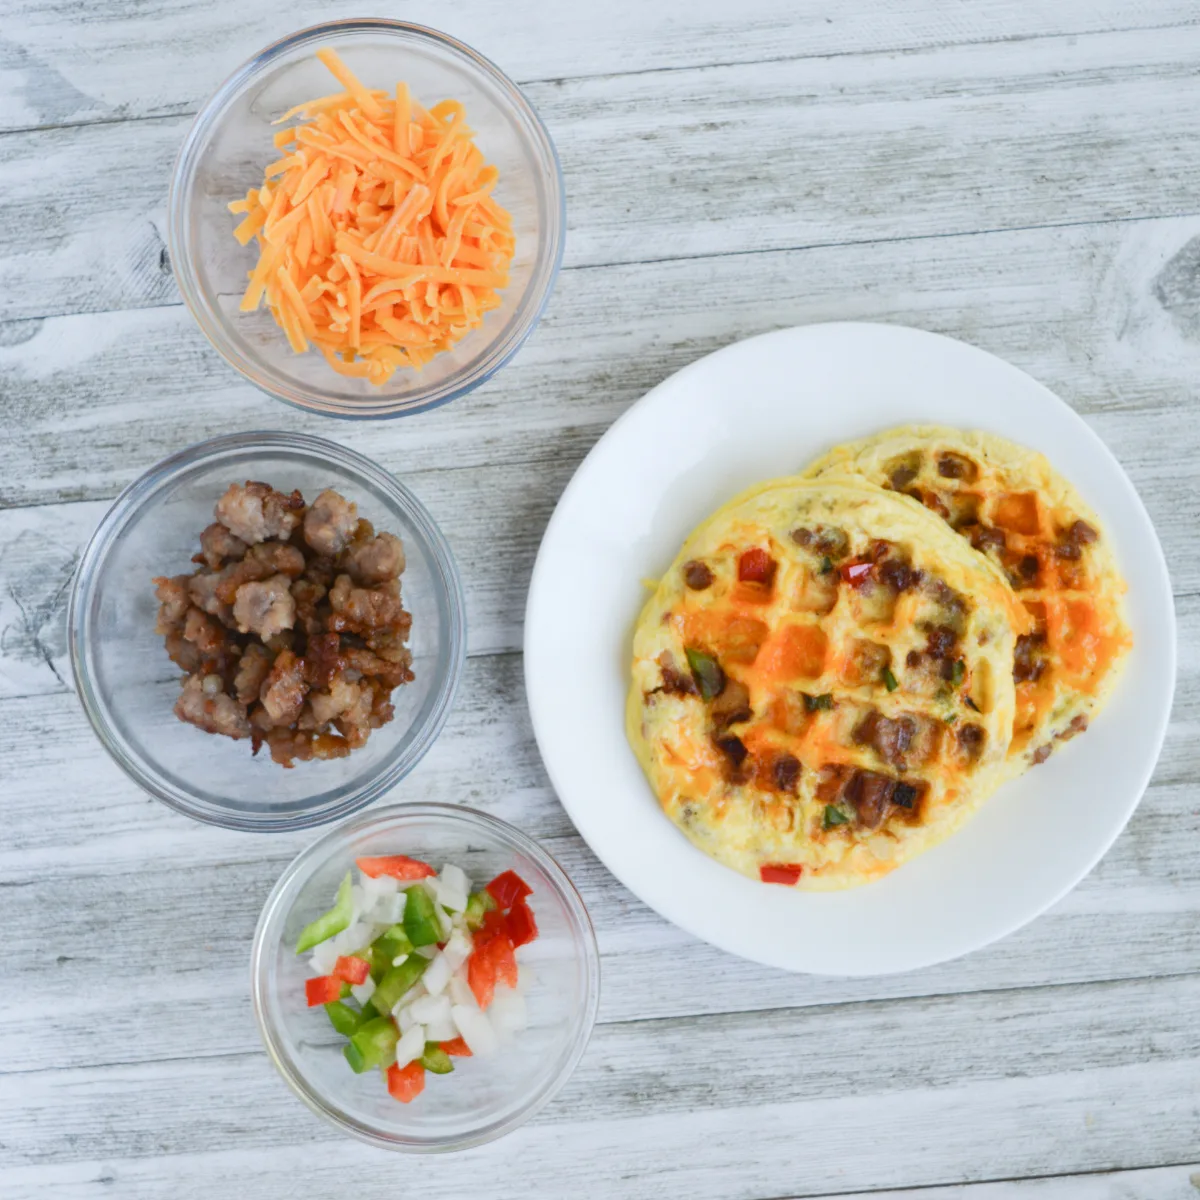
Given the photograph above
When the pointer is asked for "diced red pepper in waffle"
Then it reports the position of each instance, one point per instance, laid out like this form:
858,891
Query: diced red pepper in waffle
786,873
757,566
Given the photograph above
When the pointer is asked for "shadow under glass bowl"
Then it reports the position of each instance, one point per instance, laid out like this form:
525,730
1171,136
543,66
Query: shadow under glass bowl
128,686
229,145
482,1098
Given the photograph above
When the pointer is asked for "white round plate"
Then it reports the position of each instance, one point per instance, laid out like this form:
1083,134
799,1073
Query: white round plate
767,407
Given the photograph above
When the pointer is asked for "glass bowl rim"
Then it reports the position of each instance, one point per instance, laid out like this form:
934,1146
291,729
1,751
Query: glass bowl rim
485,364
132,501
300,868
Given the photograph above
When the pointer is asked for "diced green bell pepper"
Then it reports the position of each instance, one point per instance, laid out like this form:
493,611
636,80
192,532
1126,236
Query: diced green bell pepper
330,923
344,1018
420,921
397,981
393,942
376,1043
706,671
354,1057
478,904
375,958
435,1059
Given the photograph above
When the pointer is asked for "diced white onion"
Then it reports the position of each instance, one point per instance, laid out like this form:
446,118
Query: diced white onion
475,1028
444,922
456,878
451,897
437,975
353,937
457,950
384,885
406,1020
389,910
426,951
508,1011
411,1045
324,956
460,992
360,902
430,1008
442,1030
362,992
413,992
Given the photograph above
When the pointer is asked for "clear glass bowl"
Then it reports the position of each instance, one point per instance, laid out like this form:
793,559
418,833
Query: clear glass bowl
128,685
483,1098
230,143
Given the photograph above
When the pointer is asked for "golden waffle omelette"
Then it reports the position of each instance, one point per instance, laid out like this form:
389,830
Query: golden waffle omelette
1013,507
822,683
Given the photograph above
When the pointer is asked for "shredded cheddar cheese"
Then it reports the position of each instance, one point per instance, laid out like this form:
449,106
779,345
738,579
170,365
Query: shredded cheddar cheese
379,240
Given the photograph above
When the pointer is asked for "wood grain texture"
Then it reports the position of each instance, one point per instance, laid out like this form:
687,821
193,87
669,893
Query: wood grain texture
1106,315
1016,174
686,162
1065,1079
184,50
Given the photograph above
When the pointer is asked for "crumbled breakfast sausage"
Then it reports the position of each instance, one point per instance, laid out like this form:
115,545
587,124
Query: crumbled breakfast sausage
374,559
217,544
265,608
253,668
254,512
697,575
1071,541
284,689
357,610
889,738
291,634
731,706
174,601
203,703
330,523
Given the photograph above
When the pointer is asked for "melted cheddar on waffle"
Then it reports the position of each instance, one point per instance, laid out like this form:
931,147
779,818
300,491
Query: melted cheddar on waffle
1015,509
822,683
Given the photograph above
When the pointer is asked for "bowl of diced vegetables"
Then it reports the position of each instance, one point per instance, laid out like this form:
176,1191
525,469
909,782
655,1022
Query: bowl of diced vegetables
425,977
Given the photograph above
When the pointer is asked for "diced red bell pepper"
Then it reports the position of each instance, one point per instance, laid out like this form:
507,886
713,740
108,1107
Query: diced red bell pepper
757,566
501,951
398,866
457,1048
856,573
351,969
522,928
786,873
507,888
406,1083
325,989
481,975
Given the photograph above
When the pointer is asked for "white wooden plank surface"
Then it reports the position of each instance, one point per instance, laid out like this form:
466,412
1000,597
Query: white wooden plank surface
1018,174
718,160
47,79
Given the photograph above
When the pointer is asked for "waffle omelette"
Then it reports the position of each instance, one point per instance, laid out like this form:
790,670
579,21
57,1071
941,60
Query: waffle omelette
822,683
1015,509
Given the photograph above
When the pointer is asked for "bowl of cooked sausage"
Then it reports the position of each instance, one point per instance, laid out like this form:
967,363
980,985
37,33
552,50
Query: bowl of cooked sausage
266,631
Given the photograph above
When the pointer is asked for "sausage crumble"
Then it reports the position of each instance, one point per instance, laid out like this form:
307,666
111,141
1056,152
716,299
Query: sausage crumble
290,631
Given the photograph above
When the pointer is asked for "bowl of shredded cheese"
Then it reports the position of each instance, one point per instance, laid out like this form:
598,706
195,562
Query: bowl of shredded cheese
366,219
